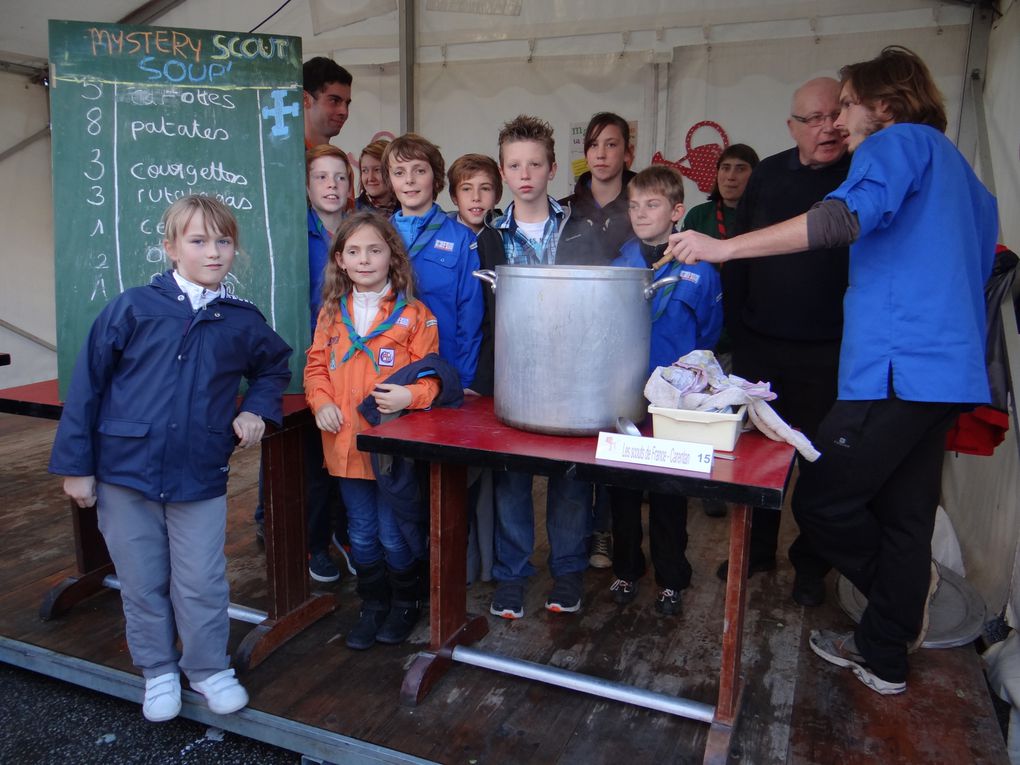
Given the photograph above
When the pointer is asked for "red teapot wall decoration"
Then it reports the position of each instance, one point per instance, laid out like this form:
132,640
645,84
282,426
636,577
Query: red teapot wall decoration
701,160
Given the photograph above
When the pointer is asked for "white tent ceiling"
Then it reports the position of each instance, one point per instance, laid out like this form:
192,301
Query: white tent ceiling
367,31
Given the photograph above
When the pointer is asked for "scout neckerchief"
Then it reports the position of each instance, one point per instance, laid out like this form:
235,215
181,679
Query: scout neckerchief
359,342
660,301
433,221
720,220
321,230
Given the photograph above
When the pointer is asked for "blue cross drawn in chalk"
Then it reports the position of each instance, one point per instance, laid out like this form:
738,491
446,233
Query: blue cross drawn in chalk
278,112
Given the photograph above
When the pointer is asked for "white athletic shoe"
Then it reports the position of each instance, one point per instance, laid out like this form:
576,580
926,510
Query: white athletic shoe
162,697
222,692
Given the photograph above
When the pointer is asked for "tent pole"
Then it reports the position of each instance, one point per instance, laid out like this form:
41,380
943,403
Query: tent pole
973,127
408,24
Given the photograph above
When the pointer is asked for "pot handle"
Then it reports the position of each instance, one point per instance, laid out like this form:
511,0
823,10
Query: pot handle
654,286
487,276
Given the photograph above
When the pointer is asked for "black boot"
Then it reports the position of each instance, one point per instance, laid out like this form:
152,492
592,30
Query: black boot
405,608
374,591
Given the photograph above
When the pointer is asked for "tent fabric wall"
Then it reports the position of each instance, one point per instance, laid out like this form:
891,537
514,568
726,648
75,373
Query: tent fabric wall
982,497
982,494
1002,104
462,106
26,211
746,87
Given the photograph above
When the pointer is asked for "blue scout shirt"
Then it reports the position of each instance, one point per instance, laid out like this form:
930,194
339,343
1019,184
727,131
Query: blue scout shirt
686,316
443,255
318,258
915,310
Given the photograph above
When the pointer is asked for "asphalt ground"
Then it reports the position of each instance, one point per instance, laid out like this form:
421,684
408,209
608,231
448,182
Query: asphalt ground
44,721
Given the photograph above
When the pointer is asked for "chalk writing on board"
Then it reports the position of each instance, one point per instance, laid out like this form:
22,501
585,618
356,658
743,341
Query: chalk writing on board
143,116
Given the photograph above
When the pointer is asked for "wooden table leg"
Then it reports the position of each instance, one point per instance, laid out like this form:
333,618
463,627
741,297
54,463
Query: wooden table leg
93,562
292,607
449,625
730,683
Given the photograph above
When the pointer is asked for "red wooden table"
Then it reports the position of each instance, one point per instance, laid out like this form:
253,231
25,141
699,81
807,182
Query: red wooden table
292,606
452,439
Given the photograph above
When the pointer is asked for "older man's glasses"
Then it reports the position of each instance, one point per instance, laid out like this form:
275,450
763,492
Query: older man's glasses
816,120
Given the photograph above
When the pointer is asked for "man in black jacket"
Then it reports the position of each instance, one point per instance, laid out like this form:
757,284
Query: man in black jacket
785,314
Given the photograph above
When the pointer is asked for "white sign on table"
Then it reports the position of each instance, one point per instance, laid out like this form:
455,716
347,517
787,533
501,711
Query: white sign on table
656,452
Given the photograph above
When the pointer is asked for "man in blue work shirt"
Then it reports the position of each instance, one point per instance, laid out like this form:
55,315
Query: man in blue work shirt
922,230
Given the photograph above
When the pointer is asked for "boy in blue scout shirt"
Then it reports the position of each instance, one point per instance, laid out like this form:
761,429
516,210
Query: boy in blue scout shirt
685,316
443,252
149,423
529,233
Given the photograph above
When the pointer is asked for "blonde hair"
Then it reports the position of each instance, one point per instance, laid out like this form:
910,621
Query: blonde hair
336,284
217,218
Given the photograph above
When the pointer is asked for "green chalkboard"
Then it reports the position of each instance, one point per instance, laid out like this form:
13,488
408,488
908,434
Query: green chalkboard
144,115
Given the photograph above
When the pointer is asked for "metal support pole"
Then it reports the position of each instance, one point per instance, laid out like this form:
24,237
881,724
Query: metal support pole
596,686
408,24
41,133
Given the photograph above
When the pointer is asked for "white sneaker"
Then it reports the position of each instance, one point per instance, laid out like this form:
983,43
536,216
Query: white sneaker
162,697
222,692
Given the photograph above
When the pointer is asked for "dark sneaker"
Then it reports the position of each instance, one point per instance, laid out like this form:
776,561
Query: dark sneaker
754,567
836,648
508,600
260,533
601,552
623,591
839,648
565,596
345,553
808,591
668,603
321,568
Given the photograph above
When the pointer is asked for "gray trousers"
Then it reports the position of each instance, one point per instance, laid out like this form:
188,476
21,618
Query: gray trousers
173,575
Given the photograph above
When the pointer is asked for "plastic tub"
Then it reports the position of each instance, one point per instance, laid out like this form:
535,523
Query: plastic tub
721,431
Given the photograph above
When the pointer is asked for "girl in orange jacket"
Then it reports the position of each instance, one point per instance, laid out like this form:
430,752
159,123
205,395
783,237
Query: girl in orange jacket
370,326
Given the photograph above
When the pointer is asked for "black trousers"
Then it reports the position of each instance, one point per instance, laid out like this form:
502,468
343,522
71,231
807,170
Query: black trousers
324,510
868,507
667,532
804,378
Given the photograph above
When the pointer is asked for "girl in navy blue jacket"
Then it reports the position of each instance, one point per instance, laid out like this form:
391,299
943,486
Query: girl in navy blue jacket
147,431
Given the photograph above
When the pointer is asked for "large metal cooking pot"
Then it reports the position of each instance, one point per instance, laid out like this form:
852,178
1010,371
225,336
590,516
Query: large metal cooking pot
571,345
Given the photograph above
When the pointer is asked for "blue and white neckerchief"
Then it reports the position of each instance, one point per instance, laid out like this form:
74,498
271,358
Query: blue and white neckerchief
360,342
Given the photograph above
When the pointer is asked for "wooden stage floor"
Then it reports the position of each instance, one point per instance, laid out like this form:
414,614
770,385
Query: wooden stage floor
797,708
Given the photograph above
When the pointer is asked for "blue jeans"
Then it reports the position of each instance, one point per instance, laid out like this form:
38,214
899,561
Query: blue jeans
568,515
372,526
